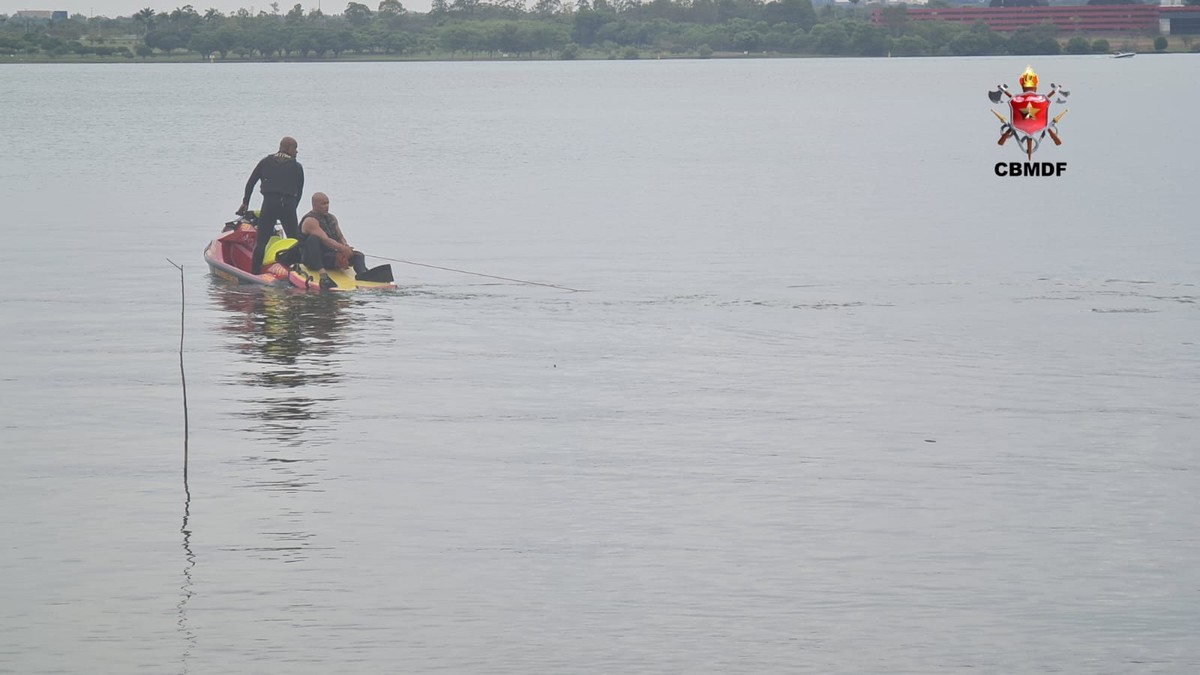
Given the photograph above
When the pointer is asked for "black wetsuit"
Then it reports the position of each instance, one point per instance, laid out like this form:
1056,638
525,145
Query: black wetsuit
318,256
282,184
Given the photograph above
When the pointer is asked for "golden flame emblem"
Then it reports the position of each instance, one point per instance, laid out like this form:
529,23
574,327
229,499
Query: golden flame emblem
1029,79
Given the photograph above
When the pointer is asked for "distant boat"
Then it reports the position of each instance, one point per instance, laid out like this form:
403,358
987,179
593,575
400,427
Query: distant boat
1124,55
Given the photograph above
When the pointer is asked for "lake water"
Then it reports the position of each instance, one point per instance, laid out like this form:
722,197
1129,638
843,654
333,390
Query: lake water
832,398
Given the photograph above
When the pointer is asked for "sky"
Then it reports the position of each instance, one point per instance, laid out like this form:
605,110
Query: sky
114,8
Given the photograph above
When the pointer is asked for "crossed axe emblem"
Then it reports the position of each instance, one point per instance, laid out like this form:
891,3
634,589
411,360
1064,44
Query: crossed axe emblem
1029,141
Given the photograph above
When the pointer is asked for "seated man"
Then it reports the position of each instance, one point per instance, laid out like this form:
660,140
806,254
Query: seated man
322,242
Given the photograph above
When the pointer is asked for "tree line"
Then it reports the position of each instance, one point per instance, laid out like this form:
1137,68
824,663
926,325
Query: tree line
508,28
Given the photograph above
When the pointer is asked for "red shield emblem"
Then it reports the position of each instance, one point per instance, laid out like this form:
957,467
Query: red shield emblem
1030,112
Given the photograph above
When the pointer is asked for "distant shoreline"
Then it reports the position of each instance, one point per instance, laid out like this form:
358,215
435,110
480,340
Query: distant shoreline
1142,45
192,59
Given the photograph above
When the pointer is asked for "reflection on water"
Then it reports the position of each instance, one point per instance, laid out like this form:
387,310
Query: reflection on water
189,636
292,342
288,370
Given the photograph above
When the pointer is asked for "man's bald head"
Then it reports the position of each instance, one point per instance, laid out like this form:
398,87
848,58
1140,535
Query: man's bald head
320,202
288,146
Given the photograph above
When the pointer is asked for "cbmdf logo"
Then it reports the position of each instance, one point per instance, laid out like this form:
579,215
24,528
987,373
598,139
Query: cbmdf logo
1029,122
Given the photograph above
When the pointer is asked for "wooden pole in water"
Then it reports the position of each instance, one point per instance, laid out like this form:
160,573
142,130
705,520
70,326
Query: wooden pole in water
182,373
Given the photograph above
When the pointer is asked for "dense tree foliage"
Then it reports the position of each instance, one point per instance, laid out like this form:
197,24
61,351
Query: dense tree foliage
509,28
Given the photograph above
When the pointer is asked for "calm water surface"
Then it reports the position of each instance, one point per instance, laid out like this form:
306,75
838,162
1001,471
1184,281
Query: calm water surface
833,398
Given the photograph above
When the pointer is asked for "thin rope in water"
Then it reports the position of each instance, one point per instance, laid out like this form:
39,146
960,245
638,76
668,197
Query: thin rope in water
479,274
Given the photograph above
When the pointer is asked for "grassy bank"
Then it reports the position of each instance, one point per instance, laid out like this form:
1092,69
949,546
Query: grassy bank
1143,45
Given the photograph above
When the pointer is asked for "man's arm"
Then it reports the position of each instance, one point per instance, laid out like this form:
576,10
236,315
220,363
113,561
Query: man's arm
337,227
312,228
300,185
254,178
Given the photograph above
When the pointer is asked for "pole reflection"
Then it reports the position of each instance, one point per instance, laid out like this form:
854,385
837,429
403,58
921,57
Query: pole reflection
189,637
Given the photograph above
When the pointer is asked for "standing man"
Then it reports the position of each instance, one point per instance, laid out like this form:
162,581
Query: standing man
282,184
323,244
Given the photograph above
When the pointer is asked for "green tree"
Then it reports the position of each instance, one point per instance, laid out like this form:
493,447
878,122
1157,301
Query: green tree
868,39
186,15
508,38
204,43
1029,42
1160,43
587,24
1100,45
325,42
229,38
460,37
747,41
303,41
438,10
706,12
510,7
146,18
268,39
165,40
357,14
547,37
346,40
1078,45
795,12
970,44
830,38
910,45
393,14
465,8
397,43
